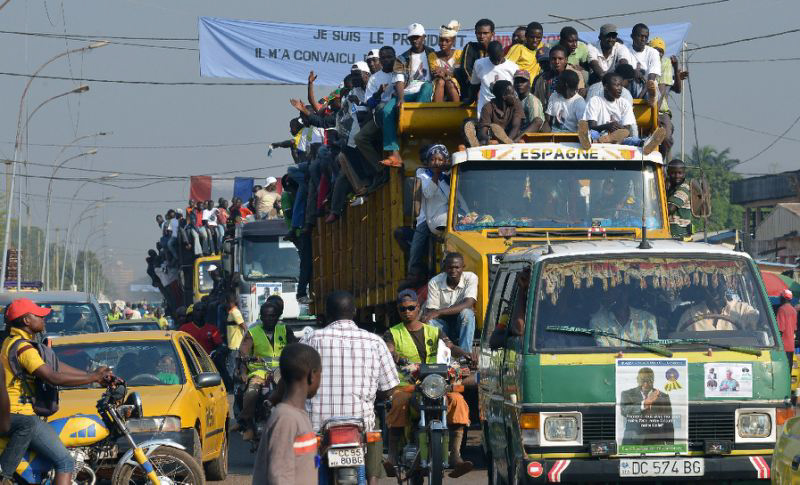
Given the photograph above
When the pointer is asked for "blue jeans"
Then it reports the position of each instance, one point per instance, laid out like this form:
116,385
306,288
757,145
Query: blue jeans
631,140
19,439
45,442
299,173
460,329
389,115
419,244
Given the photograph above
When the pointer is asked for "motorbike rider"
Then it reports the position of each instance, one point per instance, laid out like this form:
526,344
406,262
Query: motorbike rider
24,319
266,339
418,343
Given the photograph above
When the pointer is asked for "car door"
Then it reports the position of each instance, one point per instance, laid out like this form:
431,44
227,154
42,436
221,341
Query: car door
200,401
217,402
490,366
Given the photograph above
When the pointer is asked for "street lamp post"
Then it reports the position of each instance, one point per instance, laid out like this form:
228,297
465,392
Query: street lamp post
17,144
68,240
46,252
100,228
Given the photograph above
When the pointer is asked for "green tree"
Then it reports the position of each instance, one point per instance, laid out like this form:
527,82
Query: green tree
717,167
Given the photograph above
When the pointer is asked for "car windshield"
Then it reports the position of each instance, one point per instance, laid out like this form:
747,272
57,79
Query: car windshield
677,301
269,257
71,319
585,194
147,363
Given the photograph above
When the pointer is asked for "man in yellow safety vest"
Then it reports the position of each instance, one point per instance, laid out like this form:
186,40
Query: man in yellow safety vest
266,340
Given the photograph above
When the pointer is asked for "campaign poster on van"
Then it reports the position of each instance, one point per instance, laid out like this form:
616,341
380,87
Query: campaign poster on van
652,406
728,380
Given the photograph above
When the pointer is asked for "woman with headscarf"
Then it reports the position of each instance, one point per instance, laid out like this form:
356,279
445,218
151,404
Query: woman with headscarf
434,181
444,63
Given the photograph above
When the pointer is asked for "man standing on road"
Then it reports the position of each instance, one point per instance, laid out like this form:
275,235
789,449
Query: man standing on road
451,301
356,365
787,323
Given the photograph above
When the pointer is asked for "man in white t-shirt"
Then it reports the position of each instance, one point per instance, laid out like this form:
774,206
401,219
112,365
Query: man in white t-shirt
626,71
565,106
486,71
644,58
609,119
415,67
607,53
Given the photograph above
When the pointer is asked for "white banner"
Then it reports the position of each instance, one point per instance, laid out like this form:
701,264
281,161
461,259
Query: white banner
285,53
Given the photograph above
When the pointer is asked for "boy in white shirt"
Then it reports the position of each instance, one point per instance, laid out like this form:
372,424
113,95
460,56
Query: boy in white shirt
486,71
565,106
644,58
609,119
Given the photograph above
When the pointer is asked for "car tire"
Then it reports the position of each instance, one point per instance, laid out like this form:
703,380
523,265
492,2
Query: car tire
217,469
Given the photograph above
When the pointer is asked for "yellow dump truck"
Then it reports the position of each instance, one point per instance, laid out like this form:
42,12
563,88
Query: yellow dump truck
546,187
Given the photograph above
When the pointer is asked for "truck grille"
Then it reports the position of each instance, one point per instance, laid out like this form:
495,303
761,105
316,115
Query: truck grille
702,426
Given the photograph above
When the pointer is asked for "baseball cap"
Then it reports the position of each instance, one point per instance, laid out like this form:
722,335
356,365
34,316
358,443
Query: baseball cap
270,181
360,66
23,306
415,29
658,43
787,293
407,294
372,54
606,29
522,73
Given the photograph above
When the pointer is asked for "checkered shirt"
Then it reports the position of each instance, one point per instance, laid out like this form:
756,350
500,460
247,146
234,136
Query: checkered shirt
355,365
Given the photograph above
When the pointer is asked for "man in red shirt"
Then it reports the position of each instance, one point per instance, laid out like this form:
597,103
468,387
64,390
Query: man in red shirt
787,323
206,334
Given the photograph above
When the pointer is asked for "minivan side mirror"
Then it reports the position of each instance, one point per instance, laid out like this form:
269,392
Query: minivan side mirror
207,379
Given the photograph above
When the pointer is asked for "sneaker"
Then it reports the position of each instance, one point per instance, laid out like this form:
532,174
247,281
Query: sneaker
615,136
358,201
652,142
501,134
583,134
472,135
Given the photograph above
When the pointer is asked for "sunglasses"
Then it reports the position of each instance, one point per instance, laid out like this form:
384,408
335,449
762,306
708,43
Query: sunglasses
409,308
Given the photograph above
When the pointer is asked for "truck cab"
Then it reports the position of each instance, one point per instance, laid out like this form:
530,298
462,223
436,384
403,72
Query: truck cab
609,361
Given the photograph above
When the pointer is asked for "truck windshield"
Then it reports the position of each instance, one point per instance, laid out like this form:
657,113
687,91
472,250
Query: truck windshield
651,299
268,258
556,195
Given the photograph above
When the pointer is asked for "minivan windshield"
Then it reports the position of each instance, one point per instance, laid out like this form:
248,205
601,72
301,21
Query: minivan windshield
607,194
672,300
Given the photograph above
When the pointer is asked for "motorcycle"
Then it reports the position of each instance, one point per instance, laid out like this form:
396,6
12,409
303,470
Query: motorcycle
427,452
263,404
343,450
92,442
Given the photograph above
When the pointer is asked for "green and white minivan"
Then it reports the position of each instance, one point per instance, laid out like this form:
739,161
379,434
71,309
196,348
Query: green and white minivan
616,361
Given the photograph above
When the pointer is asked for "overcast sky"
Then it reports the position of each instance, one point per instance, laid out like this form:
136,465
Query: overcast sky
750,94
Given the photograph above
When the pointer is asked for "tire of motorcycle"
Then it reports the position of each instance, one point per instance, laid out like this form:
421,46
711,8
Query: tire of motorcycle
436,454
217,469
171,462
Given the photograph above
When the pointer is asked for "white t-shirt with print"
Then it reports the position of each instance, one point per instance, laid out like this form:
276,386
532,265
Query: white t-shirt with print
565,112
485,73
379,78
648,60
597,89
210,216
603,111
420,72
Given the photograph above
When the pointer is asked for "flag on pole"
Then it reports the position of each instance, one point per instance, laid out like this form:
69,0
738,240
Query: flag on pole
205,187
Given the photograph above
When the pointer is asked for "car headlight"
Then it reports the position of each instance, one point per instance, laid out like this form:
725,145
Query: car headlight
755,425
433,386
158,424
561,428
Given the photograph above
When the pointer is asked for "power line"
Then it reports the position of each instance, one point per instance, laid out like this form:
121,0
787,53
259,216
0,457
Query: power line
773,142
148,147
154,83
746,39
99,36
732,61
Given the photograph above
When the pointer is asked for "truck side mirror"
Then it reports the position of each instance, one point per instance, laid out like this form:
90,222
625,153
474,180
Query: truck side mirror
700,197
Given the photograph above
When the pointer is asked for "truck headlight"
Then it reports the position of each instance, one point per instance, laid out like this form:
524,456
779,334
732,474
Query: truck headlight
564,428
755,425
158,424
433,386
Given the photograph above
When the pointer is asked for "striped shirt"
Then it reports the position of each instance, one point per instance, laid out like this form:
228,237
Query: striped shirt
355,365
680,222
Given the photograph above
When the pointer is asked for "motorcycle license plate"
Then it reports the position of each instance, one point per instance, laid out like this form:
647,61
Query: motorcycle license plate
339,457
666,467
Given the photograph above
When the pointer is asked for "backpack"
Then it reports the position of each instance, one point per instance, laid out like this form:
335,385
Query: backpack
42,395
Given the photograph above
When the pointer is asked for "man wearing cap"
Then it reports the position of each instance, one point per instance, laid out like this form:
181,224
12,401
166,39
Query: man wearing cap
418,343
268,200
531,106
373,61
787,323
24,319
607,53
679,200
524,55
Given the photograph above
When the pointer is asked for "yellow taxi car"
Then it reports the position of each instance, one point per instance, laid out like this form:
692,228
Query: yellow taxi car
183,397
795,378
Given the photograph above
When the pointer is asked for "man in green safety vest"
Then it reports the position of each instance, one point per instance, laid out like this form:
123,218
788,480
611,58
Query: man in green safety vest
418,342
266,339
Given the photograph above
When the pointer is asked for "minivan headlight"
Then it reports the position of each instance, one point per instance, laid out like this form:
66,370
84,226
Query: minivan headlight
434,386
562,428
755,425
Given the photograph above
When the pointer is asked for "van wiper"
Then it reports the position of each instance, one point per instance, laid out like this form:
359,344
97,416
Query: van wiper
705,341
647,345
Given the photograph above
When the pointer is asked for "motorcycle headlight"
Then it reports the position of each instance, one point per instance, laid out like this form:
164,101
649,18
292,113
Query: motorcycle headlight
755,425
434,386
158,424
561,428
